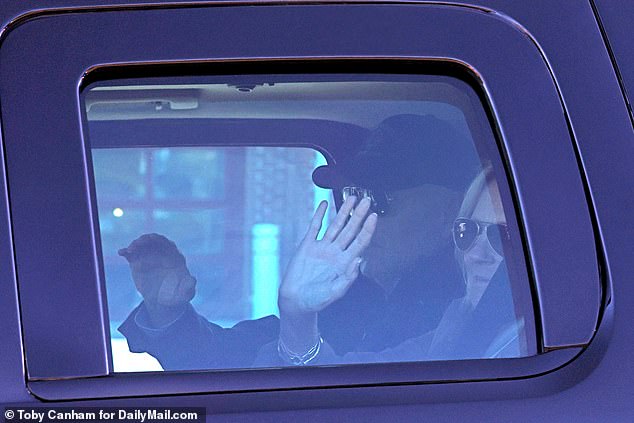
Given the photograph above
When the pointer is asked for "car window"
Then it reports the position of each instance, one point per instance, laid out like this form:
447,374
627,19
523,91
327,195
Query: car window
283,220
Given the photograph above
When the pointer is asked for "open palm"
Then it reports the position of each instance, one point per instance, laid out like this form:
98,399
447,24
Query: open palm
322,270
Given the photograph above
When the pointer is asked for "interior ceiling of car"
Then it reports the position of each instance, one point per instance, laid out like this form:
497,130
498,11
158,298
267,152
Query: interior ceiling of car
362,103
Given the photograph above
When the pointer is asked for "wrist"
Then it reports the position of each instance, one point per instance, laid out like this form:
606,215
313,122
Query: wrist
299,358
289,304
299,331
161,315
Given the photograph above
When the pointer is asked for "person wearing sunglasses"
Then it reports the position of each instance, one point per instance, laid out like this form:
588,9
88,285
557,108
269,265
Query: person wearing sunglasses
483,323
480,238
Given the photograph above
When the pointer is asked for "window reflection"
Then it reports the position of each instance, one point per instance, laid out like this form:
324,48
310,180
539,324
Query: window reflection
188,174
121,174
235,252
203,234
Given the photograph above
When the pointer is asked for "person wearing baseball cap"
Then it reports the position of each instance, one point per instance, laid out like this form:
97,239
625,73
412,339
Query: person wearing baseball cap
166,325
400,194
391,237
160,274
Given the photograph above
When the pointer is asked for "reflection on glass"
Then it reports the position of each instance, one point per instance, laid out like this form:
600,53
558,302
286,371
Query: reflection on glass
195,174
120,174
227,191
116,231
217,234
195,231
120,290
212,293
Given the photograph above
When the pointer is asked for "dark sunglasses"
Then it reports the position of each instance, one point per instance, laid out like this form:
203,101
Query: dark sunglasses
466,231
379,202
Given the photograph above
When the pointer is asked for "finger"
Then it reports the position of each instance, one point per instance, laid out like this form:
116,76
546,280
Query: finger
341,219
349,232
316,222
363,239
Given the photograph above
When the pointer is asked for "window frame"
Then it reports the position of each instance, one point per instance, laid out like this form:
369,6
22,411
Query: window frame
531,188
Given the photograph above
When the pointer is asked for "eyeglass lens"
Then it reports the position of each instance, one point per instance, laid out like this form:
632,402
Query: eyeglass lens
465,232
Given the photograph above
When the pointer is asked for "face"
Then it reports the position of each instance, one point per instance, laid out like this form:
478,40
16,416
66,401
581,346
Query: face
162,280
481,261
416,225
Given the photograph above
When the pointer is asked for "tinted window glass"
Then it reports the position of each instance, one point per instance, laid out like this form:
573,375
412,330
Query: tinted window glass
210,195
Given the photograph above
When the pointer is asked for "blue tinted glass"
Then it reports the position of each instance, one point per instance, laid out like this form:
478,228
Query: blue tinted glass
194,231
119,225
207,237
188,174
120,173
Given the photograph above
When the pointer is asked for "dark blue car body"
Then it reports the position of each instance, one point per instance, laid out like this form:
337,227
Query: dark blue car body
556,76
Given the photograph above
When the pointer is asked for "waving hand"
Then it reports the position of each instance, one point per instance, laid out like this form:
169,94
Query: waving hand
322,270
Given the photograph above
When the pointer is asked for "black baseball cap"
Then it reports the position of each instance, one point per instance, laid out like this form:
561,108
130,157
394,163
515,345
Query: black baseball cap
405,151
151,245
